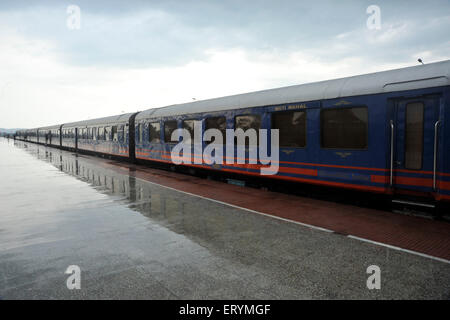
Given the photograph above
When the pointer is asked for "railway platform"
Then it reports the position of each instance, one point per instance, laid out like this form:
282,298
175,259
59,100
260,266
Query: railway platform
141,233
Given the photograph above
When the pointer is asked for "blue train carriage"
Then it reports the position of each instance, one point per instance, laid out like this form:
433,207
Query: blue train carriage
22,135
153,130
50,136
32,135
25,135
383,132
109,135
19,135
68,137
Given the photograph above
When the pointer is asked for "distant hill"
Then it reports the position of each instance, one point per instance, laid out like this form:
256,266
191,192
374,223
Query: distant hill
8,131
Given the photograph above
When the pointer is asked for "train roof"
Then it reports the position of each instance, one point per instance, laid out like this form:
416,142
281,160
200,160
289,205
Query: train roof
49,127
416,77
43,128
100,121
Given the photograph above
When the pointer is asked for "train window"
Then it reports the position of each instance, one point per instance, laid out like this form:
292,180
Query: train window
154,132
94,133
137,133
414,135
101,134
344,128
120,136
169,127
140,131
114,133
219,123
189,126
107,133
249,121
292,128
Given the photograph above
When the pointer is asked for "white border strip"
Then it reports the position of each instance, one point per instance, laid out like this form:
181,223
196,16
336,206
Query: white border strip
300,223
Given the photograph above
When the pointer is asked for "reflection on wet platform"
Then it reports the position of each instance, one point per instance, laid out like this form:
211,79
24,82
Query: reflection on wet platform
181,213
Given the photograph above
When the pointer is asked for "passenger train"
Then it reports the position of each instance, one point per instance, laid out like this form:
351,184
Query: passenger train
384,132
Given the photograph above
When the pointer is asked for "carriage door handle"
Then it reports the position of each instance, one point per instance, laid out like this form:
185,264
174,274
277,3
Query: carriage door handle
392,154
436,131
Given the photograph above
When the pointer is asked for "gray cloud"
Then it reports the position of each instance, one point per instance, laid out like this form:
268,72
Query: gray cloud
161,33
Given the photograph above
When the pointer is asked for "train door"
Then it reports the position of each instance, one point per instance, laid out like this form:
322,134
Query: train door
414,143
76,138
131,136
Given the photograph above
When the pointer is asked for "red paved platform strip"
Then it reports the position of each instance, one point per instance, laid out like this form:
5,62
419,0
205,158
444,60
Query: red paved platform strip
412,233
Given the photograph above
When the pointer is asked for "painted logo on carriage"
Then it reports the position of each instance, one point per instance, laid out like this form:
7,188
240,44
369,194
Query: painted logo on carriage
342,103
287,152
343,155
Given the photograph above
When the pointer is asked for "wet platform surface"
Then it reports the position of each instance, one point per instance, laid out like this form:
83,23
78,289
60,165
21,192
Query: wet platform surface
134,239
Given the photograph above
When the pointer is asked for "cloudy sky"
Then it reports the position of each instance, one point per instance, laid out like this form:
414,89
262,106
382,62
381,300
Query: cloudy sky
134,55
